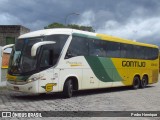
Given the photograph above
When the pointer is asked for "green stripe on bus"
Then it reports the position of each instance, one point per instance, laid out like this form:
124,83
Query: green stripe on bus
110,69
103,68
80,35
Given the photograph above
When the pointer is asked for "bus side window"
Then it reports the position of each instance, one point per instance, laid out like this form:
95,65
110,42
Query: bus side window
47,58
124,50
97,48
77,47
113,49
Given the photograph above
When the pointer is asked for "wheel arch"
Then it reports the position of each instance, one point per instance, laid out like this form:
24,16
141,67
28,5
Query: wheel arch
74,80
137,75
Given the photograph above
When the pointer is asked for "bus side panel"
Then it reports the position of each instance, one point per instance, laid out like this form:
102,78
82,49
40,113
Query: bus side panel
89,80
68,74
126,73
48,81
128,68
105,71
72,67
155,75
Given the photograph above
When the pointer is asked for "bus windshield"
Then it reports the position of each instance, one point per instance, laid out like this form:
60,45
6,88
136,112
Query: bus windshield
21,60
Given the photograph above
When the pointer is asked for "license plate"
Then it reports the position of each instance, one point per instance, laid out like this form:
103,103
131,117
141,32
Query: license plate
16,88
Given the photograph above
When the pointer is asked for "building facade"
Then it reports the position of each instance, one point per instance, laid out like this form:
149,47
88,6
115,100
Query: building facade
9,33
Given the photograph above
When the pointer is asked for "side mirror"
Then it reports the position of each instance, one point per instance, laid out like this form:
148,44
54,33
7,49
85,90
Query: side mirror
5,47
68,55
37,45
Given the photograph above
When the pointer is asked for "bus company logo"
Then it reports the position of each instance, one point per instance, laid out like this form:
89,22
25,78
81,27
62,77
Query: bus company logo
49,86
133,64
6,114
74,64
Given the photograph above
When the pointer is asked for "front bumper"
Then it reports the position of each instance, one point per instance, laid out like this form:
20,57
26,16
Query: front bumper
31,87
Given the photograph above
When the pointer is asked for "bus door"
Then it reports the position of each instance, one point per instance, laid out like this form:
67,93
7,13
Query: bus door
46,66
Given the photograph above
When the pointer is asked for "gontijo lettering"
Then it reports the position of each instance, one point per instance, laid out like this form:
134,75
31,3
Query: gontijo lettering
133,64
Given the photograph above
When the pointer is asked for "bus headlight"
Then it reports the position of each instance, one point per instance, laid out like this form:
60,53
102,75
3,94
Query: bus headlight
34,78
31,80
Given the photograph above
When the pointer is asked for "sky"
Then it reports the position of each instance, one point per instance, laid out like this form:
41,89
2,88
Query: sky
130,19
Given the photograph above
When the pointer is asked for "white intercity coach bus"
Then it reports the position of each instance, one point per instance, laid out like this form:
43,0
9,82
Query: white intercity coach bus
64,60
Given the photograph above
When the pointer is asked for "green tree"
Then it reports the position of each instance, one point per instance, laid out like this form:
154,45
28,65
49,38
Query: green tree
55,25
73,26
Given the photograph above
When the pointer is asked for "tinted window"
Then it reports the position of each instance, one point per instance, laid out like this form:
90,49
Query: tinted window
154,53
145,53
81,46
113,49
97,48
77,47
104,48
58,46
127,51
138,52
47,59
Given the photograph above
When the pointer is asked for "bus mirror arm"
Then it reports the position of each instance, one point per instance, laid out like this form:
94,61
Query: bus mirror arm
37,45
5,47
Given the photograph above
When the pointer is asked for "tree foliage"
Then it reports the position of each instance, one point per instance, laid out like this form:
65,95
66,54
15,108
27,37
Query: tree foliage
55,25
73,26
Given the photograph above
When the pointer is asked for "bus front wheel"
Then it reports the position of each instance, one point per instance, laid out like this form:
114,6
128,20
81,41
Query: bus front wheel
68,89
136,82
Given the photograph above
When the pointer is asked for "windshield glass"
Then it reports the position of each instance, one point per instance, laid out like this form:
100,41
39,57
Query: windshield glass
21,60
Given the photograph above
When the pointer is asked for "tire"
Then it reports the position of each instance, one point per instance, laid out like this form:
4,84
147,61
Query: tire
136,82
144,82
42,94
68,89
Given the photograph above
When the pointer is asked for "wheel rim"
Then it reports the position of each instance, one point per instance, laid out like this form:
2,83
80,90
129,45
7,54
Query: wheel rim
71,89
136,82
144,82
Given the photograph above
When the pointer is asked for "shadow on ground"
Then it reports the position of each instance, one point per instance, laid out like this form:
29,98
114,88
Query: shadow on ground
54,96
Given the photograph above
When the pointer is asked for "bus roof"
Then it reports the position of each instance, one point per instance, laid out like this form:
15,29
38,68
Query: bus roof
69,31
45,32
121,40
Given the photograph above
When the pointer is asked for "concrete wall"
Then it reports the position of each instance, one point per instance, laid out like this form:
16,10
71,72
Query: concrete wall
13,31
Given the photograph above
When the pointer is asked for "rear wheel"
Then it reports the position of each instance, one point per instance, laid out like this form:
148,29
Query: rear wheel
68,89
136,82
144,82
